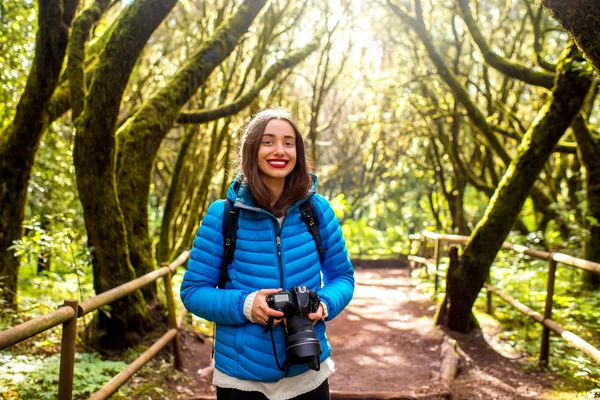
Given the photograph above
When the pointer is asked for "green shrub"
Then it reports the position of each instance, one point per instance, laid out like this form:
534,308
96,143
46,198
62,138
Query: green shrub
31,377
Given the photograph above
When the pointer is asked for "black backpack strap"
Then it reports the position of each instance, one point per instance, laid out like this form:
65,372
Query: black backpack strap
310,218
230,225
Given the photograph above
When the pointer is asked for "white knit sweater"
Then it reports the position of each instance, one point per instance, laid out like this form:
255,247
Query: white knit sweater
286,388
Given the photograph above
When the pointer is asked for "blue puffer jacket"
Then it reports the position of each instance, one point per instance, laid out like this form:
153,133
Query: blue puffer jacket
242,350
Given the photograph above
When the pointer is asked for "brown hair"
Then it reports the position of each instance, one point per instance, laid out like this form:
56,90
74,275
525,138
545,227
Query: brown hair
297,183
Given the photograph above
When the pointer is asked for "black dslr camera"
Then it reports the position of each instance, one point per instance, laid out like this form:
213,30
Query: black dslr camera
301,342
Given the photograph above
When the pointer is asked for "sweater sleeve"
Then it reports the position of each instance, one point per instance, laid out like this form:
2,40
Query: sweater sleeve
198,289
338,274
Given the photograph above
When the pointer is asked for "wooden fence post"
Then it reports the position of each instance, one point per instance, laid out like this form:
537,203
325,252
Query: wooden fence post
423,253
436,255
67,353
173,320
411,264
545,348
490,304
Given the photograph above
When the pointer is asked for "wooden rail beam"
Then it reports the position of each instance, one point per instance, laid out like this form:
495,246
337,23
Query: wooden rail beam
457,239
450,360
120,291
577,262
31,328
429,263
569,337
68,317
115,383
544,255
127,288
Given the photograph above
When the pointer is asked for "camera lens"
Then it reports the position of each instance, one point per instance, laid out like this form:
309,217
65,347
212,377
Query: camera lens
301,342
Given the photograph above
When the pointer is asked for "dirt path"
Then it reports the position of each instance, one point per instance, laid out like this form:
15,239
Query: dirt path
385,341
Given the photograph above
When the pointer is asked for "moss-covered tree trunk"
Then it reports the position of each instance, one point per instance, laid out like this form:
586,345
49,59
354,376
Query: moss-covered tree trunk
582,19
466,280
141,136
173,197
94,158
20,140
456,206
200,197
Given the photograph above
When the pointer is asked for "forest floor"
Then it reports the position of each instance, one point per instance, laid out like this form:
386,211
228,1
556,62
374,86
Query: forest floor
385,341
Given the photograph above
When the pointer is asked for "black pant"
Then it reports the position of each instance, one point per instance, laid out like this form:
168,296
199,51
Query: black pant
320,393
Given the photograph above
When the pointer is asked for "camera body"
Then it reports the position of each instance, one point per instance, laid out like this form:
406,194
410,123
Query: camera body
297,301
301,342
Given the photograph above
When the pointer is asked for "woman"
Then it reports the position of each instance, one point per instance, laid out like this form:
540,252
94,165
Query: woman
274,251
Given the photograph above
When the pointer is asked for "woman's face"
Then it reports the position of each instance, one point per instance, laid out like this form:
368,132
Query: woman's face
277,151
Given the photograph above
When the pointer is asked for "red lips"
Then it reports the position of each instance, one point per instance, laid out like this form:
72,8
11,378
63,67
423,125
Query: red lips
277,163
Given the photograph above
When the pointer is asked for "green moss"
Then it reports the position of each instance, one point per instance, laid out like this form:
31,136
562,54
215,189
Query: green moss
581,18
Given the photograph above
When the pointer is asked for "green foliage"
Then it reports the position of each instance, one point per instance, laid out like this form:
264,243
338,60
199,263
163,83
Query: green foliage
386,218
31,377
17,38
54,235
52,238
578,230
365,240
574,308
44,293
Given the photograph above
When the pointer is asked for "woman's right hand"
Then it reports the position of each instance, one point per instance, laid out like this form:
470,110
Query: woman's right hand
261,310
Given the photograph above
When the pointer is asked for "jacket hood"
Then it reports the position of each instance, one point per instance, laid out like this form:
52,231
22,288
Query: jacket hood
239,192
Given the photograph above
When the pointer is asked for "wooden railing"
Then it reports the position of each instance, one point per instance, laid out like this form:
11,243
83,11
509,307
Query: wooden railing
72,310
552,258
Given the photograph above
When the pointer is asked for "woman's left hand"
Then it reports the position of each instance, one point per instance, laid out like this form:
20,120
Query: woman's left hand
317,315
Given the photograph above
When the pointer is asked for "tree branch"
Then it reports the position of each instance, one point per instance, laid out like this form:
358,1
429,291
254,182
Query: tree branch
202,116
80,34
537,38
511,68
451,80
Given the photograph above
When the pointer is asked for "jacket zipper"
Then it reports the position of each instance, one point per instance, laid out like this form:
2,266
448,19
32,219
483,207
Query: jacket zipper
278,241
278,228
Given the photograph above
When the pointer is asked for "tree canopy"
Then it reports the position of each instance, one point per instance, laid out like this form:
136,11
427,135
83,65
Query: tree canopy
120,122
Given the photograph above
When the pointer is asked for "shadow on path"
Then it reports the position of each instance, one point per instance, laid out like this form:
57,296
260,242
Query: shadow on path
486,374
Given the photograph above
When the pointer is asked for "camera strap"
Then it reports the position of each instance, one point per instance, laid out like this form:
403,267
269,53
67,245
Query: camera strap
315,363
286,364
